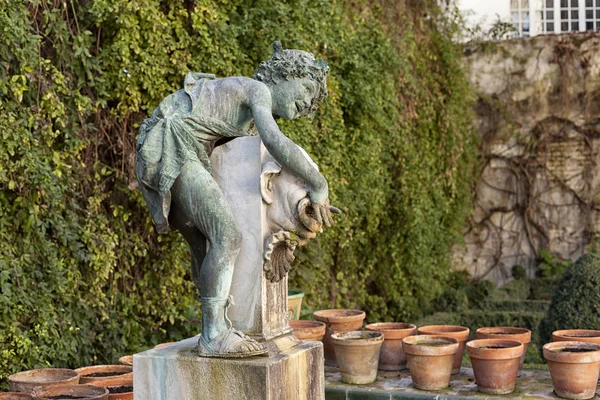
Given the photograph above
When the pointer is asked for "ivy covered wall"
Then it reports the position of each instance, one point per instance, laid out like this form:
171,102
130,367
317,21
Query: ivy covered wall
83,276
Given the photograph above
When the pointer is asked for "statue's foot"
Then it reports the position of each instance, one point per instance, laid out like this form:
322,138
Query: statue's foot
230,344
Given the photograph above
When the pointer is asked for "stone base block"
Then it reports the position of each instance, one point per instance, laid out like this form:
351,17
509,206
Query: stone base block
174,372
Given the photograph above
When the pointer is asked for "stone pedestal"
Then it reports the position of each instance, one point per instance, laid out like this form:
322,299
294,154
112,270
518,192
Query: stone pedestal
263,198
174,372
260,308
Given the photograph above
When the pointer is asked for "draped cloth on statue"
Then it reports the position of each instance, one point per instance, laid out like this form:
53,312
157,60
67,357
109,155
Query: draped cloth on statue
175,134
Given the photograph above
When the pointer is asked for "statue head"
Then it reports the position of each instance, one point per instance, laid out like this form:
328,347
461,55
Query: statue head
298,82
288,214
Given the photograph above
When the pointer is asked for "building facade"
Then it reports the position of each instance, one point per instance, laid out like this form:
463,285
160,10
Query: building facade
537,17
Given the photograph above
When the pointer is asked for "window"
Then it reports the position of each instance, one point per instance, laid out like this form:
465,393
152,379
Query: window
564,3
550,27
574,14
549,3
549,14
574,3
574,26
564,26
564,15
592,14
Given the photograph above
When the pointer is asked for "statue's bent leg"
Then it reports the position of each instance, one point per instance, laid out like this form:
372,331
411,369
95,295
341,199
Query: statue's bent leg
198,199
195,239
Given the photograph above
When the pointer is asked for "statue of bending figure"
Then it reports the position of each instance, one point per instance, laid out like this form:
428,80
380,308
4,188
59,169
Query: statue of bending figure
174,171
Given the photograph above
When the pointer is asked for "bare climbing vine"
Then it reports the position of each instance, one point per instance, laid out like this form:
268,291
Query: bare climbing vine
538,184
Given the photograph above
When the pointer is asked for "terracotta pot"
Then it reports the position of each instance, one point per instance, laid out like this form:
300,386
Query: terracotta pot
71,391
459,333
357,354
14,396
576,335
574,368
495,364
28,380
430,359
337,321
118,388
392,357
126,360
308,330
158,346
507,333
294,298
102,372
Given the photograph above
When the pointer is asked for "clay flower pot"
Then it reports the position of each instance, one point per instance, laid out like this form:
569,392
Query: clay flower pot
495,364
126,360
357,354
574,368
70,392
392,357
28,380
459,333
507,333
430,359
337,321
14,396
294,298
118,388
308,330
576,335
158,346
102,372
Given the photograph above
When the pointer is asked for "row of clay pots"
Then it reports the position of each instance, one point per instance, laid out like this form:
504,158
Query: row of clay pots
574,365
102,382
71,391
111,382
392,357
495,362
495,350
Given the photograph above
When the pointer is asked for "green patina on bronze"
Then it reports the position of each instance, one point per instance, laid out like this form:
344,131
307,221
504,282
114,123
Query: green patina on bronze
173,170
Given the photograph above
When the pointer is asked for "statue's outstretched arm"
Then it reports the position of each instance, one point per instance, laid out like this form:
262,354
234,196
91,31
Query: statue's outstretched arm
288,154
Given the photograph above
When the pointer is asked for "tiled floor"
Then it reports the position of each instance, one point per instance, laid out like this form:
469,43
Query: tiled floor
390,386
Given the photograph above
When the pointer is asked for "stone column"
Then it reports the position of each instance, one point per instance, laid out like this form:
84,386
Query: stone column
260,308
293,370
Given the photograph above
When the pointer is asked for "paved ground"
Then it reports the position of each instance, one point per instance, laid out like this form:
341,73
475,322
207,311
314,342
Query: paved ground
389,386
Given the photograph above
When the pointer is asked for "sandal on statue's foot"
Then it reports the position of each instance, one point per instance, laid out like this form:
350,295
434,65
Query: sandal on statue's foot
230,344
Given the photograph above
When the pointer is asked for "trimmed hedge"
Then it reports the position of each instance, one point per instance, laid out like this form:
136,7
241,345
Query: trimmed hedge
518,305
576,300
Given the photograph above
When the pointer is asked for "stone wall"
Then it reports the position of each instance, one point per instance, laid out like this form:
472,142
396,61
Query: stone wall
538,114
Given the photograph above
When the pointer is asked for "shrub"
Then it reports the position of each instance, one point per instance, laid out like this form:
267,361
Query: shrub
552,265
452,300
541,288
517,290
517,305
576,300
518,272
479,292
